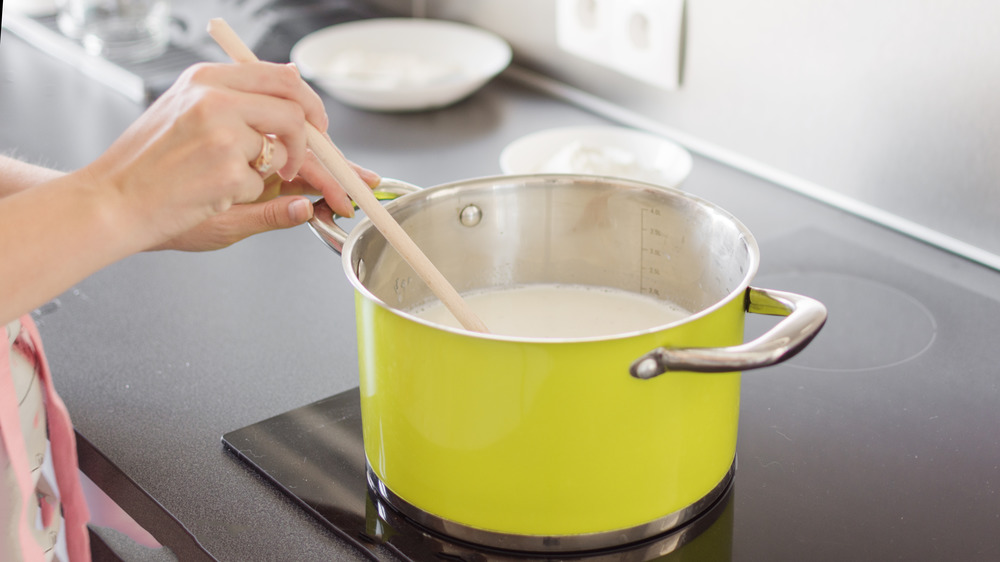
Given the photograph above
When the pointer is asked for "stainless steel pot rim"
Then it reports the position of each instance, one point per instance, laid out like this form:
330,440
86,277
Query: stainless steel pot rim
444,190
551,543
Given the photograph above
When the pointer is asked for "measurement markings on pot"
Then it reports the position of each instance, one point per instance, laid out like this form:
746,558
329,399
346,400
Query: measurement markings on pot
654,254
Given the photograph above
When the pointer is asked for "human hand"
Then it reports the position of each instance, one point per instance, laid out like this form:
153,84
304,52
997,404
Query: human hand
188,157
281,205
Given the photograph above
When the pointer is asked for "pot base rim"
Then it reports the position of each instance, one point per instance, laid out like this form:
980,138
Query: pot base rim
549,543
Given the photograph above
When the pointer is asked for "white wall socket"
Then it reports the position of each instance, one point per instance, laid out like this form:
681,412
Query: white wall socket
639,38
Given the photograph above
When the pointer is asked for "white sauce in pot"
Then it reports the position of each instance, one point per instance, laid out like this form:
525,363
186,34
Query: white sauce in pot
559,311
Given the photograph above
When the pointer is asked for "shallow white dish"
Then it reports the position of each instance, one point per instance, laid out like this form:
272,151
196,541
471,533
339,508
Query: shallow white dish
603,151
400,64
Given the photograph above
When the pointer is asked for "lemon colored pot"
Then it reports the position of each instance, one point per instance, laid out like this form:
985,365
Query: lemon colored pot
558,444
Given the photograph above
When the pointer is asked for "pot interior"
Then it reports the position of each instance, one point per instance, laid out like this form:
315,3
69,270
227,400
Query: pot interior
507,231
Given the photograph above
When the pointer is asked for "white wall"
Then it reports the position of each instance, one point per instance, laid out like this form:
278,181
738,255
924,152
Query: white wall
893,102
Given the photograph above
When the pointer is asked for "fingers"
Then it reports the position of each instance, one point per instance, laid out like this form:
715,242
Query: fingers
268,98
210,153
274,100
283,121
265,158
315,110
317,175
314,172
299,210
366,175
275,80
246,220
242,221
369,177
275,186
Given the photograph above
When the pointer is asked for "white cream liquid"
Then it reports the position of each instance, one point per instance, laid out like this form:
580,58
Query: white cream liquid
559,311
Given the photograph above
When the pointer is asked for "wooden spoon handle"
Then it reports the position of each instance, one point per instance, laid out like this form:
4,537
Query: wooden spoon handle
335,162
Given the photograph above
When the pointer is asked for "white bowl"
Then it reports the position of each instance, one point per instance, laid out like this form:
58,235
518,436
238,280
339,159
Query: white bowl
400,64
602,151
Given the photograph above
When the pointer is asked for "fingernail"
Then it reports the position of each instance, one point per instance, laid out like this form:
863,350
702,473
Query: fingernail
300,210
372,178
294,67
349,205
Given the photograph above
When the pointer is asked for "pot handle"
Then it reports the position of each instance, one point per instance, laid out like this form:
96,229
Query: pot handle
805,317
324,220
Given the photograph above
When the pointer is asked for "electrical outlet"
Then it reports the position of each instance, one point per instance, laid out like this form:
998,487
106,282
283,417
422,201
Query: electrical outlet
639,38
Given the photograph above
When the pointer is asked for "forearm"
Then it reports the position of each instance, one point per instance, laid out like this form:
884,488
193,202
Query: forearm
16,175
56,234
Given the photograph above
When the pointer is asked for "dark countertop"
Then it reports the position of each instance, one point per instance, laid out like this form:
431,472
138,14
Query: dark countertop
879,442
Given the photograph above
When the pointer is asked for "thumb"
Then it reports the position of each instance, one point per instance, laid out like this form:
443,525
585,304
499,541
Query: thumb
280,212
241,221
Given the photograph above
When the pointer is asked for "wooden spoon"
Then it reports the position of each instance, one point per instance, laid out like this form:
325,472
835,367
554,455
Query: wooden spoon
332,158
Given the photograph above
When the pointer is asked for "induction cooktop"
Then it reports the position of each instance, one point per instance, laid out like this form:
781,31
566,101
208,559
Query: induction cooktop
880,441
315,455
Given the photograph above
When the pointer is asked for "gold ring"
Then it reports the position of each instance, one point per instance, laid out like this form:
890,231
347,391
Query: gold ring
263,162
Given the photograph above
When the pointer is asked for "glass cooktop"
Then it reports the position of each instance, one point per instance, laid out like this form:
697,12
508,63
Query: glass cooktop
315,455
879,441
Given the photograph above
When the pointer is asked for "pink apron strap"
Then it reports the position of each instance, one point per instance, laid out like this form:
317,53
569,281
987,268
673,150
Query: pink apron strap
17,454
64,458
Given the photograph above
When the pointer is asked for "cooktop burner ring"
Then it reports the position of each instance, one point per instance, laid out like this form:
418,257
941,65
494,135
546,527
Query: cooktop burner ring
547,544
907,327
